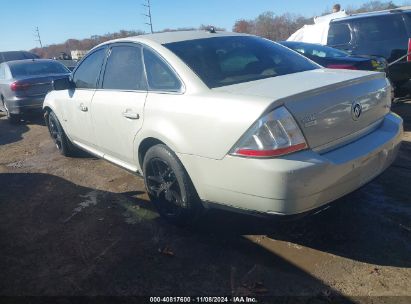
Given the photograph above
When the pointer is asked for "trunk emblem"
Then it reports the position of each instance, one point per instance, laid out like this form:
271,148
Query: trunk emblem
356,110
309,120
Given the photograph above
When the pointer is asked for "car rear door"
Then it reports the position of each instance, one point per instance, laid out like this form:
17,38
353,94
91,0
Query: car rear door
118,104
77,102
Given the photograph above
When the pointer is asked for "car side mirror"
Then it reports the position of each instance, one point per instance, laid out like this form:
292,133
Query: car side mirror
63,84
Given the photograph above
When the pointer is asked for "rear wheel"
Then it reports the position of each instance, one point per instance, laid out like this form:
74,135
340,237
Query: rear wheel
60,138
169,186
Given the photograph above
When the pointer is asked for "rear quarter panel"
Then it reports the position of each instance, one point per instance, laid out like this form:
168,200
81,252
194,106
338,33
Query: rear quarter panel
206,125
55,101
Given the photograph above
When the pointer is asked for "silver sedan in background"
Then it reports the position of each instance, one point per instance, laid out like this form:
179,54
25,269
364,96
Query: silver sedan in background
25,83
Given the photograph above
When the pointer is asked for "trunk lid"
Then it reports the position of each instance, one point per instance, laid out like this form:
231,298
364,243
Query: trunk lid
328,105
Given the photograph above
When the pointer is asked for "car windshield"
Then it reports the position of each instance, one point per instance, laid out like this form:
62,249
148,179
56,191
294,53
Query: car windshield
32,68
316,50
222,61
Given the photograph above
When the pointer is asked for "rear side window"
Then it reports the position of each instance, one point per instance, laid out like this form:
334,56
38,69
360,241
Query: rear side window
222,61
339,33
86,75
381,28
159,76
124,69
34,68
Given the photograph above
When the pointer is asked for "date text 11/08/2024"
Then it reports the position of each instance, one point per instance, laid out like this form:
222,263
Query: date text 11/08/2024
239,299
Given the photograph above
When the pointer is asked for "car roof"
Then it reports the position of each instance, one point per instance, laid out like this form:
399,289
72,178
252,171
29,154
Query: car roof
400,10
302,43
284,42
176,36
29,60
14,52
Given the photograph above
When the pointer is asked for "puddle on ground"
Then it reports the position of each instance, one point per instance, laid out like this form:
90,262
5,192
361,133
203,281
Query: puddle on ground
134,214
90,200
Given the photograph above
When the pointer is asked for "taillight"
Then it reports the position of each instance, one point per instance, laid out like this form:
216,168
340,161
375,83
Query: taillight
409,50
19,86
275,134
342,66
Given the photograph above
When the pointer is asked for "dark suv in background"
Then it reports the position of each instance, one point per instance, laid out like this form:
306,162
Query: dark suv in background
386,34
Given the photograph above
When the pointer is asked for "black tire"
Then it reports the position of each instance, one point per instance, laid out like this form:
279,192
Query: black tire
60,138
169,186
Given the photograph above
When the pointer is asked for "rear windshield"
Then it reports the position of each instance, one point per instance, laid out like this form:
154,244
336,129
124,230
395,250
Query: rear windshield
222,61
316,50
19,69
10,56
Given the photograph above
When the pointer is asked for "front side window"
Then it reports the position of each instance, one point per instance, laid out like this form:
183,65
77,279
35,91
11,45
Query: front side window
86,75
124,69
339,33
159,76
222,61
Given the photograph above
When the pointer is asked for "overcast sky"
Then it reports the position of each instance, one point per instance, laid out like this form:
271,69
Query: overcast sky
61,20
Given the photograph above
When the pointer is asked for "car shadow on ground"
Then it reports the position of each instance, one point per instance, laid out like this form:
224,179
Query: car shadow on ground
59,238
370,225
11,133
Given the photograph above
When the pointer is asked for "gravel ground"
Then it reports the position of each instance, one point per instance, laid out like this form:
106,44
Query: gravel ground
81,226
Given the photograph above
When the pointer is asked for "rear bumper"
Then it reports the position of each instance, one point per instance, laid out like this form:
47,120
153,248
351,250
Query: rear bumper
23,105
299,182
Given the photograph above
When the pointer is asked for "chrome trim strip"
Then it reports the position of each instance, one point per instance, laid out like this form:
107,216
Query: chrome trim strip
40,83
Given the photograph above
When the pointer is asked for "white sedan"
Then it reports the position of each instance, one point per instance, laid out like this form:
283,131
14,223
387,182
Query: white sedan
226,120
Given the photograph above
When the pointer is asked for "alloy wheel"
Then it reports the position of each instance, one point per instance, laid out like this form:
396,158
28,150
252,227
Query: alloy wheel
162,184
55,133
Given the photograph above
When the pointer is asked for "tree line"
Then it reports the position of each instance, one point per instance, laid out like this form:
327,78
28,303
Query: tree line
267,25
280,27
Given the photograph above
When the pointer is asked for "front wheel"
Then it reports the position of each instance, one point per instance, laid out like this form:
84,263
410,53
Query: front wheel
169,186
60,138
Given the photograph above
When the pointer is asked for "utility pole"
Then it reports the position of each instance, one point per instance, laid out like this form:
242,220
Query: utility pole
150,23
37,33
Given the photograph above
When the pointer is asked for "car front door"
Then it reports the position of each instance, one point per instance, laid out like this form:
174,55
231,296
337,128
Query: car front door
76,110
118,105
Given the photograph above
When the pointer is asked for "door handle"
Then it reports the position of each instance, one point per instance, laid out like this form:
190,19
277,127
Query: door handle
131,115
83,108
